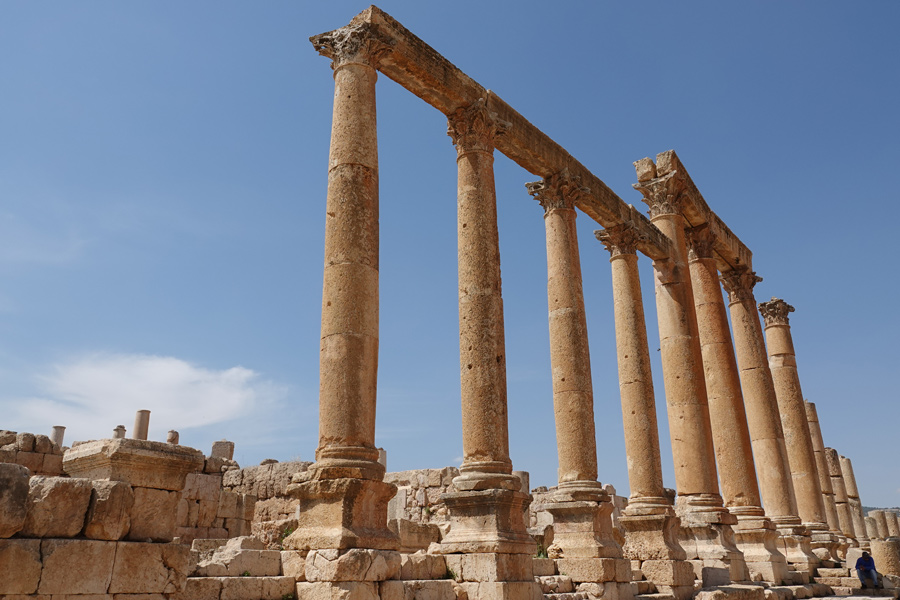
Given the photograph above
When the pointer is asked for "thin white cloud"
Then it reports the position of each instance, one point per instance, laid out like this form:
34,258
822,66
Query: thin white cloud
92,394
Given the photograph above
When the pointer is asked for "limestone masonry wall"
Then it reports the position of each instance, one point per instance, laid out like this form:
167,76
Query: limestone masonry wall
37,452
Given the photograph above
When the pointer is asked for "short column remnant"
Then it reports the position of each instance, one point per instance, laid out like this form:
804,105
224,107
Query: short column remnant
119,432
59,433
880,523
651,527
172,437
141,424
859,522
845,519
893,525
766,433
815,432
487,526
871,528
755,534
706,533
342,496
804,472
583,544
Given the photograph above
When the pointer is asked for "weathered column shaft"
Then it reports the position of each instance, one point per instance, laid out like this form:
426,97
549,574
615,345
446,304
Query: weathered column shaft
815,432
635,377
881,523
731,436
859,523
573,395
348,362
763,420
845,520
783,364
481,334
893,524
59,433
141,424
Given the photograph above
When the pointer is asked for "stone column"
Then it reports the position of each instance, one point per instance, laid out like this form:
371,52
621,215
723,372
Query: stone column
845,519
815,432
141,424
487,514
880,523
763,420
801,457
651,527
580,507
707,536
59,433
755,534
859,523
343,500
893,526
871,528
119,432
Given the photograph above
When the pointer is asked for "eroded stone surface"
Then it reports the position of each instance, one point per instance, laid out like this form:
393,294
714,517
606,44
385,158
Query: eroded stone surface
13,498
56,507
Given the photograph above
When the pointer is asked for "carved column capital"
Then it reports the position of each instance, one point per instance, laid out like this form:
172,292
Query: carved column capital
361,44
775,311
739,283
700,241
619,239
474,128
664,195
557,191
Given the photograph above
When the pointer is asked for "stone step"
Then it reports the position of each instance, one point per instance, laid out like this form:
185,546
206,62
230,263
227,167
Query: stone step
839,581
555,584
656,596
568,596
822,572
798,577
237,588
433,589
860,594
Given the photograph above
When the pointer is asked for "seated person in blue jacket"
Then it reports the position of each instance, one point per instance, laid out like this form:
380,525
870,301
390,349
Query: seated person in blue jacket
865,567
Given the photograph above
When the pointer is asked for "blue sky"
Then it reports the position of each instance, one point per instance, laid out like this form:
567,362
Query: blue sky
162,189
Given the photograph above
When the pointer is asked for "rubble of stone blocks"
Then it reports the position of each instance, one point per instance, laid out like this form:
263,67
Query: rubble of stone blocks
274,514
207,510
40,454
416,513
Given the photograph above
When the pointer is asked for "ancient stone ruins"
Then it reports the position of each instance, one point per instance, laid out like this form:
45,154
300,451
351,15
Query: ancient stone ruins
762,508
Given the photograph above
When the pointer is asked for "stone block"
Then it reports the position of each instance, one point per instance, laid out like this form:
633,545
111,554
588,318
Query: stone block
490,567
56,507
248,505
340,590
7,437
42,444
419,590
25,442
241,588
109,511
142,568
32,461
732,592
120,597
142,463
543,567
153,515
13,498
181,514
52,464
76,566
293,564
591,569
277,587
199,486
556,584
499,590
228,505
668,572
200,588
422,566
20,566
8,454
356,564
222,449
206,513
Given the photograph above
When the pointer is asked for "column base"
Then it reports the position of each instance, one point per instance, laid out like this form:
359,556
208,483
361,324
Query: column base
582,524
708,540
341,514
487,521
757,539
794,543
671,577
652,536
823,542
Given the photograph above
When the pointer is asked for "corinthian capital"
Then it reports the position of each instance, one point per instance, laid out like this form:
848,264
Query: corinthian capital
619,239
775,311
739,283
699,242
362,43
474,128
663,194
557,191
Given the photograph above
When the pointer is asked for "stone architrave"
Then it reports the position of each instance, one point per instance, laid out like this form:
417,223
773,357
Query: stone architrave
755,534
763,420
859,523
141,463
651,527
581,509
486,514
845,519
342,497
818,442
801,457
707,536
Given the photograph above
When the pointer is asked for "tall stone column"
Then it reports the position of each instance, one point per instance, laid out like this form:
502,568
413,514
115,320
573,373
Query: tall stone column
763,420
804,472
815,432
651,527
580,507
487,514
707,536
859,522
343,500
845,519
755,534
